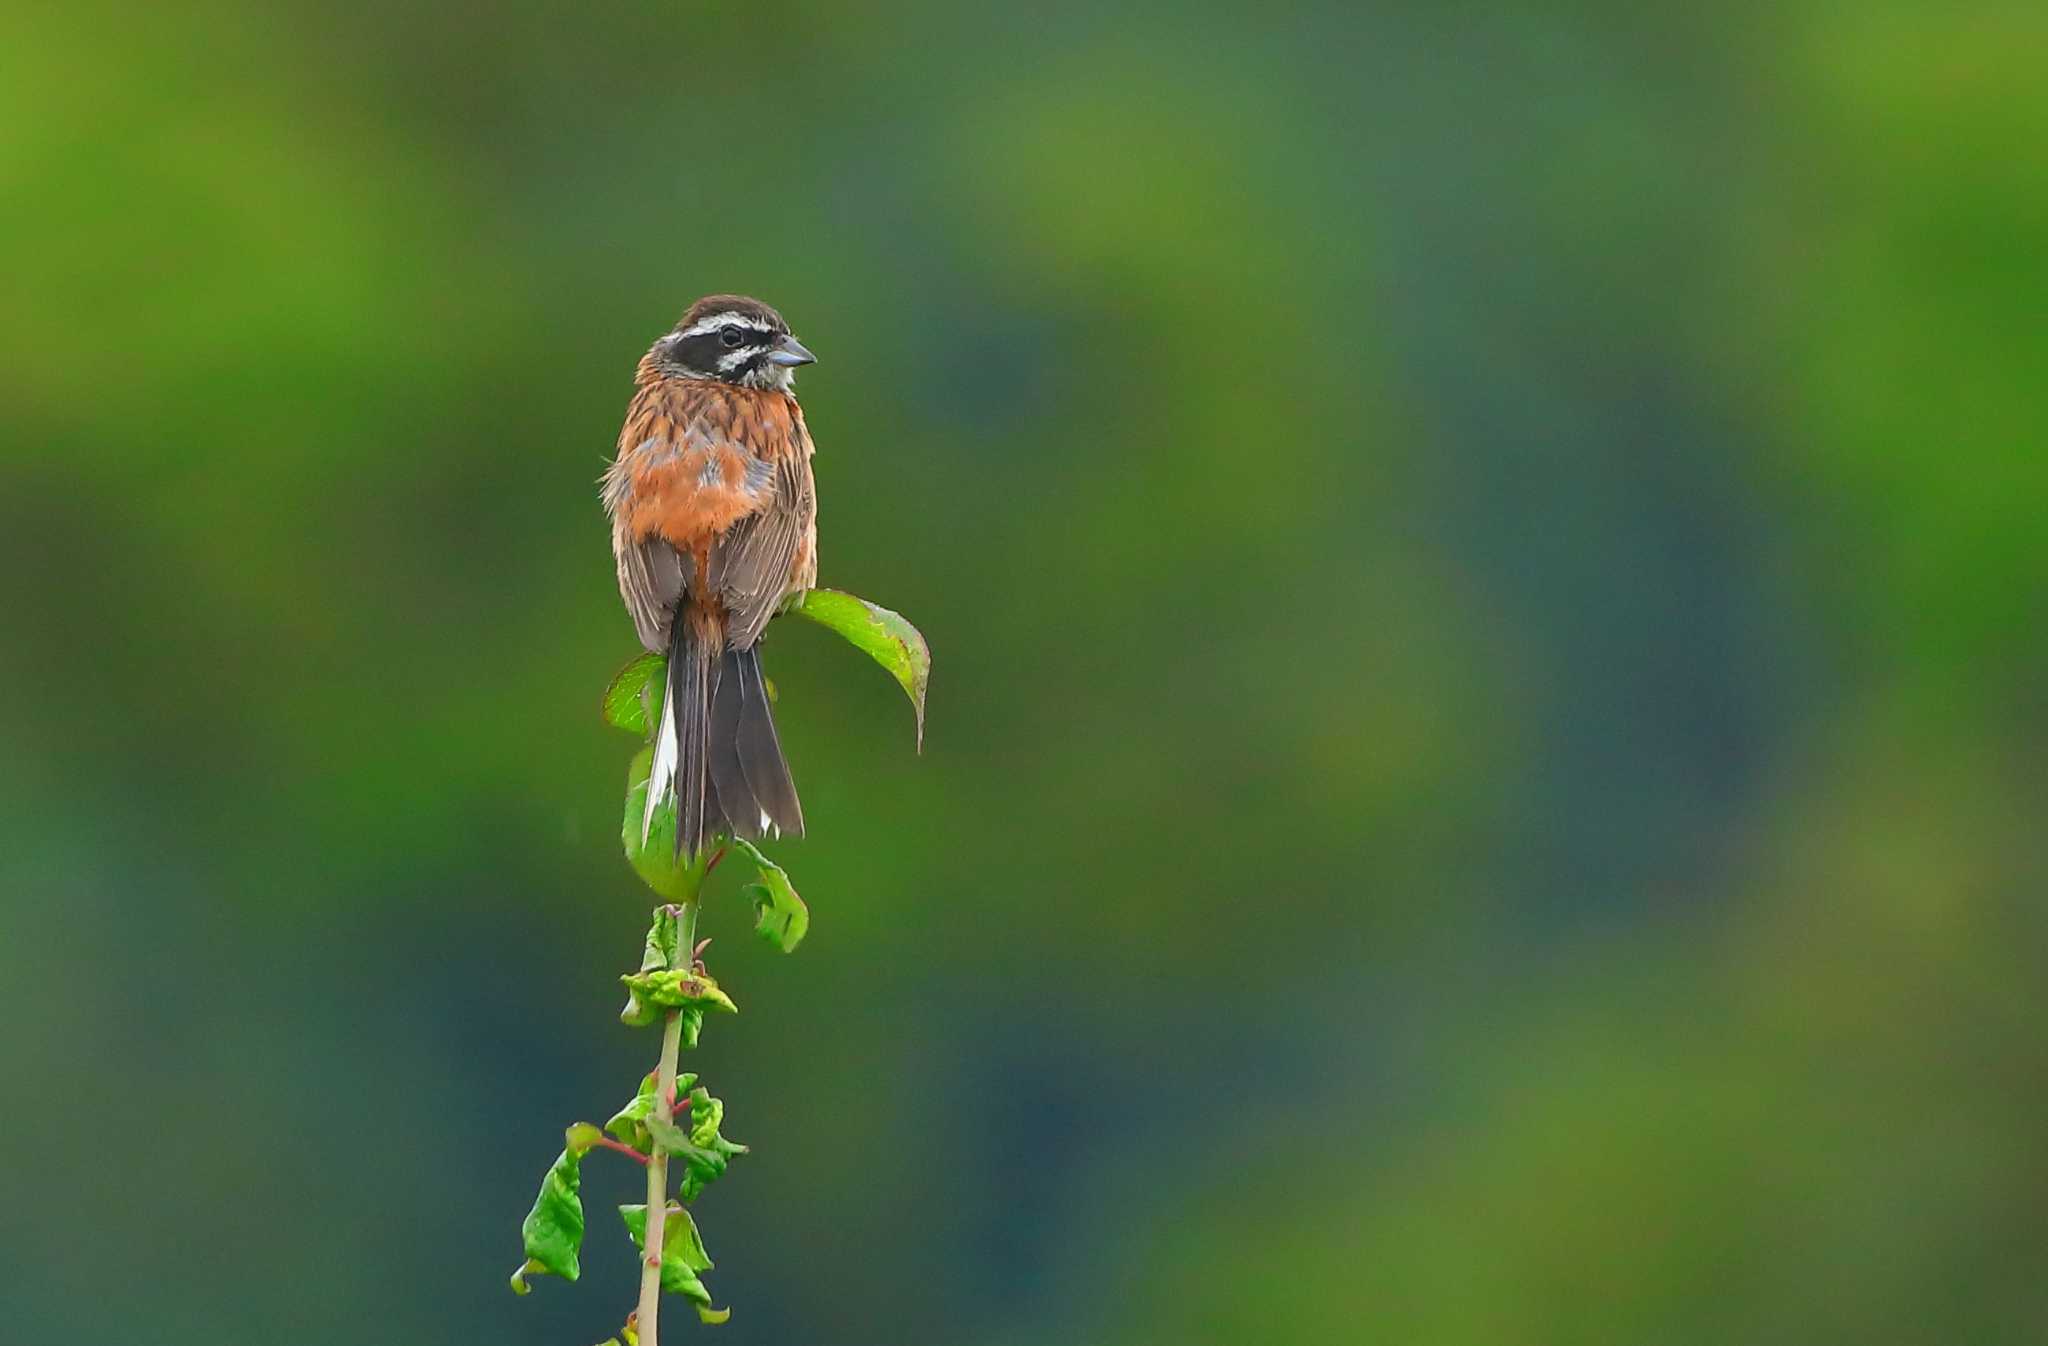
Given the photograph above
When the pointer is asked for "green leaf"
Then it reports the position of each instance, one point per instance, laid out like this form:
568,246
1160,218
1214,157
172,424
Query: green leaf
705,1153
664,939
705,1161
702,1167
667,1135
677,988
706,1114
883,635
682,1256
780,916
628,1123
680,1241
663,950
553,1230
676,879
633,701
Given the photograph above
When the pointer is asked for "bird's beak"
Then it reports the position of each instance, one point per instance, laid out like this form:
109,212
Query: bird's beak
790,353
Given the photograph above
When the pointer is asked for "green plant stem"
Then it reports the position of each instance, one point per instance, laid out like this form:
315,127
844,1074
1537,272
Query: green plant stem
646,1320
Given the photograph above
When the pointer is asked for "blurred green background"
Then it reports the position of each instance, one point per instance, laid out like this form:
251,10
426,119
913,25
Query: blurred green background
1485,565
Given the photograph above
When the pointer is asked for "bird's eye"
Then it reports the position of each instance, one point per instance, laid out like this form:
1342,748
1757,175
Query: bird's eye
732,336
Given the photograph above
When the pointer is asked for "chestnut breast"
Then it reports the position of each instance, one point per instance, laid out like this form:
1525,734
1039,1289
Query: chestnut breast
700,456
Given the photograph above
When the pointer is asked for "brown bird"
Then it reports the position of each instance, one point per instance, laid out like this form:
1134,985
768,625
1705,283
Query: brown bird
715,528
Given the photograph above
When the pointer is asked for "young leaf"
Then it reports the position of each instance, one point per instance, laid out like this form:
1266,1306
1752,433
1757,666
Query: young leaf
780,916
628,1124
635,692
667,1135
680,1241
674,988
553,1229
883,635
661,952
709,1152
663,935
702,1166
682,1256
704,1152
706,1114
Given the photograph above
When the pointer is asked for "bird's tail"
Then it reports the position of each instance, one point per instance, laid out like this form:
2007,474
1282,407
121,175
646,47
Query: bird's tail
716,751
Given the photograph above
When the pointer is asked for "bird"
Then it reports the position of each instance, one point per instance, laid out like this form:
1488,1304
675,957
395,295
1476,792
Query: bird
714,518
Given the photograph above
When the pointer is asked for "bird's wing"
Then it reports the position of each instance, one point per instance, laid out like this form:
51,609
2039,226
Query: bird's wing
650,569
650,580
754,564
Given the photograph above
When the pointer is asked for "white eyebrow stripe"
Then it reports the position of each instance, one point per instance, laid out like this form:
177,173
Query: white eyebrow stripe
718,322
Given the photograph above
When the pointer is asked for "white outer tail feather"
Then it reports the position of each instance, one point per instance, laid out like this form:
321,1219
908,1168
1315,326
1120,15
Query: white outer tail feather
661,778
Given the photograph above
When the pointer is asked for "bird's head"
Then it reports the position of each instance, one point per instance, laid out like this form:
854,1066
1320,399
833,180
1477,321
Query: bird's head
732,339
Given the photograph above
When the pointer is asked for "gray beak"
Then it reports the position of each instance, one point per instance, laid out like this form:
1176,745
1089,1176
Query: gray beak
791,353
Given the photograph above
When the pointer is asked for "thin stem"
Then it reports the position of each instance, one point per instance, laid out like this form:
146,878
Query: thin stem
657,1163
608,1143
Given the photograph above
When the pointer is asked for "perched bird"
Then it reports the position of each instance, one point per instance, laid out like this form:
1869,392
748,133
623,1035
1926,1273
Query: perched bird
714,527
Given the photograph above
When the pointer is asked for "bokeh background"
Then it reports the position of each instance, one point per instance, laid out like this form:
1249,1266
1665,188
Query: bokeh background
1485,779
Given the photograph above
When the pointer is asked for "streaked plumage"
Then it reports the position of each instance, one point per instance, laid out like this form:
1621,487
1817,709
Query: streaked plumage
714,528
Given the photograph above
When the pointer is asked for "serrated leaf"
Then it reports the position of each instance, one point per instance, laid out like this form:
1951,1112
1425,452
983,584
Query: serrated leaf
553,1230
633,701
884,636
780,916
